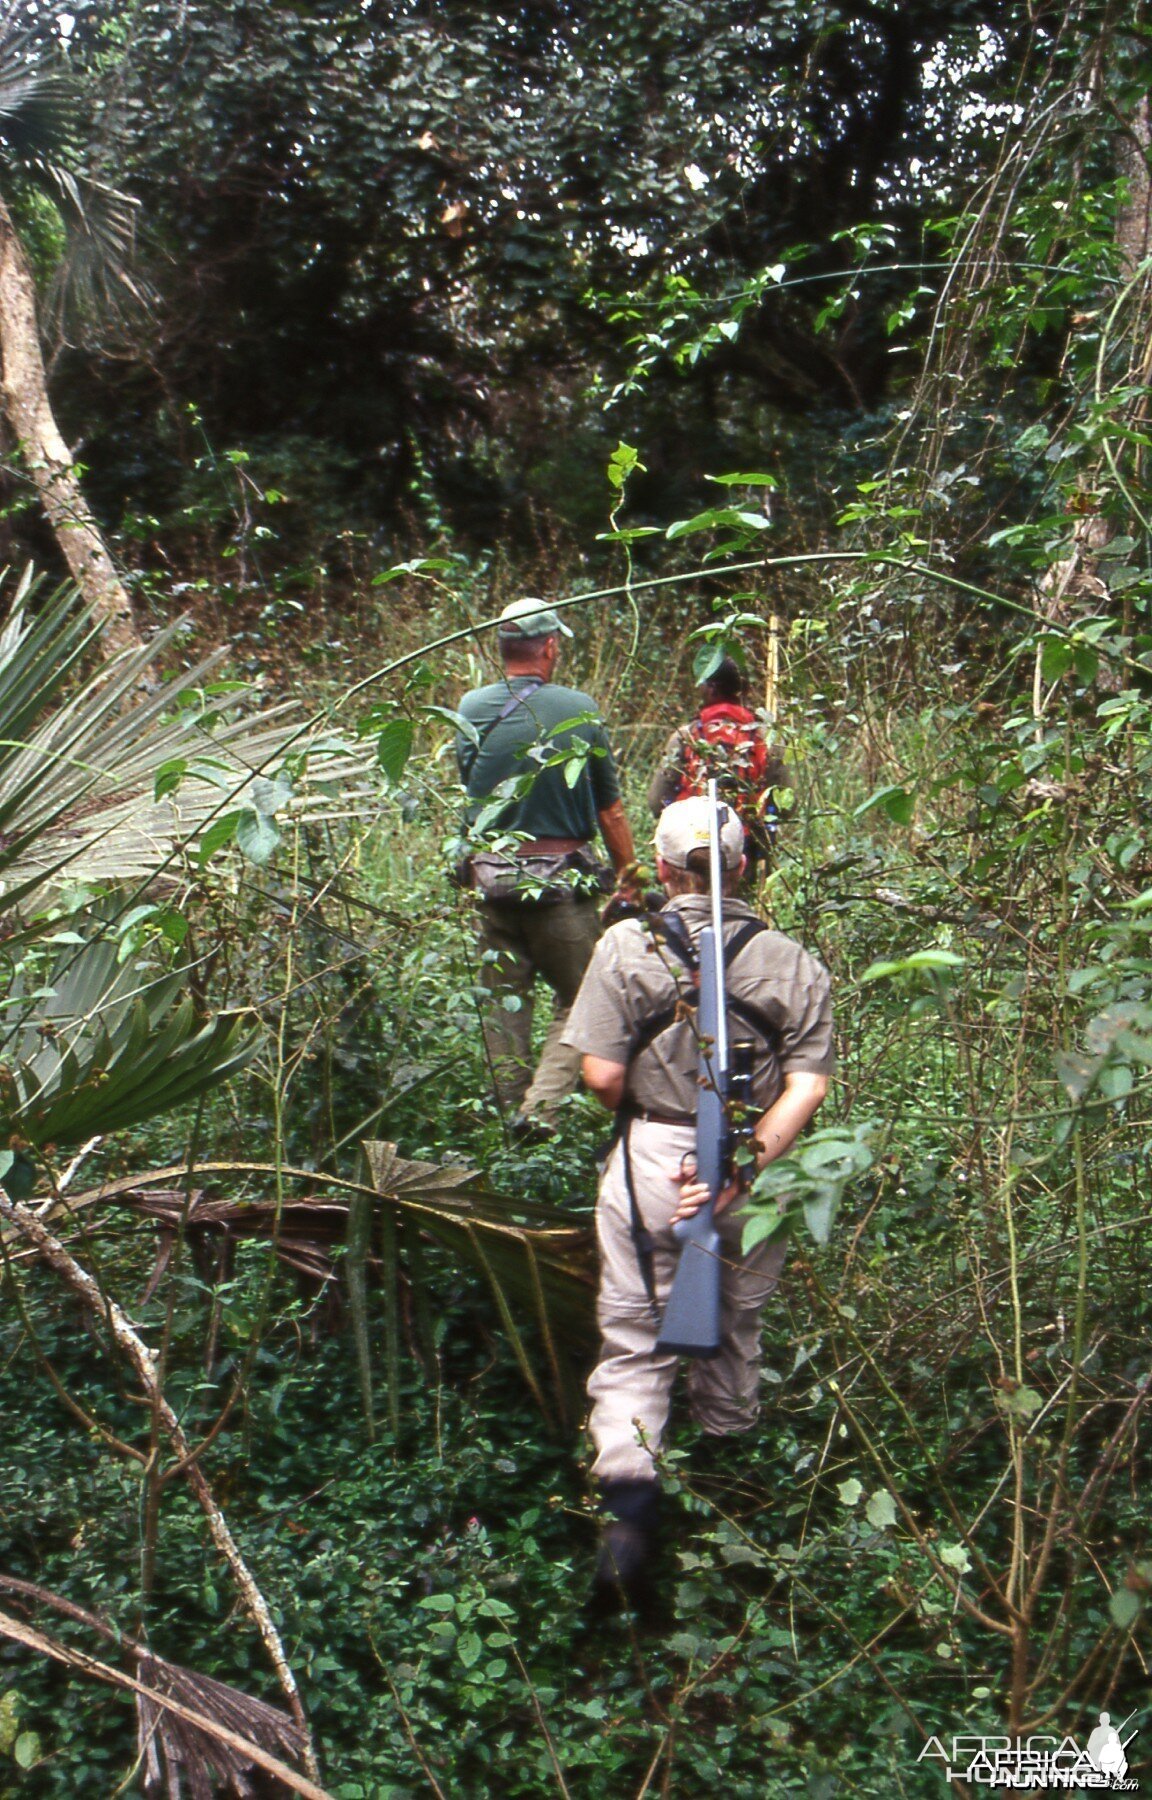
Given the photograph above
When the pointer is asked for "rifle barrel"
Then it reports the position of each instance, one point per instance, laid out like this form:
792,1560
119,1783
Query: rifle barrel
716,883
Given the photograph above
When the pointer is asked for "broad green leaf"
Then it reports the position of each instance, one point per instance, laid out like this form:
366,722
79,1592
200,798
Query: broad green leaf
1055,658
850,1491
26,1750
469,1649
1020,1403
932,960
880,1511
716,518
955,1556
819,1214
457,721
897,802
257,836
708,659
1125,1607
763,481
1116,1081
760,1226
622,463
9,1720
270,796
833,1155
420,565
218,834
394,747
437,1603
169,776
744,1556
1077,1072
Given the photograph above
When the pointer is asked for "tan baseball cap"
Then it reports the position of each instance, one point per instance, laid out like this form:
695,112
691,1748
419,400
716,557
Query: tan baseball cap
531,618
684,827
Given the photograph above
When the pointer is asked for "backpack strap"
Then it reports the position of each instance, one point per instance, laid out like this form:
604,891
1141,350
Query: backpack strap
671,929
506,711
751,928
672,932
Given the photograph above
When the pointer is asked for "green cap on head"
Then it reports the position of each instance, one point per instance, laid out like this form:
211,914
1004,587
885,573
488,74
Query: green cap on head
530,618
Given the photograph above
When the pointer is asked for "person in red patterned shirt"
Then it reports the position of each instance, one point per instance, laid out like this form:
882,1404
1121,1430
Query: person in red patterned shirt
725,742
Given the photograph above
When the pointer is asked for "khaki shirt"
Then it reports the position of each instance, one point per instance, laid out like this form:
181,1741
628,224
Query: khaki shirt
634,976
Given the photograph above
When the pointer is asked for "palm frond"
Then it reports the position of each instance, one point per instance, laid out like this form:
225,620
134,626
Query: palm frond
539,1265
40,144
94,282
92,1044
37,108
198,1736
78,777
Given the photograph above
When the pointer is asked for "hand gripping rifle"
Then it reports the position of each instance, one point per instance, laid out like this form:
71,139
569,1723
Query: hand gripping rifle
691,1322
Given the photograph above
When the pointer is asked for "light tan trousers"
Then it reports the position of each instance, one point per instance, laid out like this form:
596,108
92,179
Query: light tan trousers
631,1386
518,942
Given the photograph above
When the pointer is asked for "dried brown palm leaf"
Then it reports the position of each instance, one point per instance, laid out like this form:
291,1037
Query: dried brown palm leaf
197,1735
538,1265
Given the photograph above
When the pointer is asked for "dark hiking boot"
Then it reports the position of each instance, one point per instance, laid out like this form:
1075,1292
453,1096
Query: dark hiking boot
623,1573
625,1554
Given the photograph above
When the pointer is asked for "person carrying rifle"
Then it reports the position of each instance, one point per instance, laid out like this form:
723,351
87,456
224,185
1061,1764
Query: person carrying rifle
634,1021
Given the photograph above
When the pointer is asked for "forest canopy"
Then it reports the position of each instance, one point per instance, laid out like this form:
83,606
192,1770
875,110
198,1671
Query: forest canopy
435,241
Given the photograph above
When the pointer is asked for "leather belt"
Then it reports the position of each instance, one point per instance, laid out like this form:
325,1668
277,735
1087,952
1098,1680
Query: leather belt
551,846
658,1118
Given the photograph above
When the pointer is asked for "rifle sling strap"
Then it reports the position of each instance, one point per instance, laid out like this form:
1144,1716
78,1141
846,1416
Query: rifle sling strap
642,1241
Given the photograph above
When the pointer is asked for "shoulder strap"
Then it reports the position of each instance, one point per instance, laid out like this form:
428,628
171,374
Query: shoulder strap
676,936
505,712
747,1010
748,930
671,928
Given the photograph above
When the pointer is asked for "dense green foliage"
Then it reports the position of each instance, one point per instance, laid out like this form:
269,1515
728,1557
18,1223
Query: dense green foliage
452,201
833,316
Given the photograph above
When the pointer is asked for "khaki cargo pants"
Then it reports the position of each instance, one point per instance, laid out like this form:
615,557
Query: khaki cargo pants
518,942
631,1386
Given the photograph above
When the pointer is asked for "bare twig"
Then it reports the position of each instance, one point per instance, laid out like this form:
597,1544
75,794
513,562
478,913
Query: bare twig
103,1309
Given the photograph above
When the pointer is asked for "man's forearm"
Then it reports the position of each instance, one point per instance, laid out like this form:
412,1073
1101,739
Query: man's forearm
776,1131
617,835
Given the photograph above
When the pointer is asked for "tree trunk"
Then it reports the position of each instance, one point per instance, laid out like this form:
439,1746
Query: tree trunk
24,396
1133,220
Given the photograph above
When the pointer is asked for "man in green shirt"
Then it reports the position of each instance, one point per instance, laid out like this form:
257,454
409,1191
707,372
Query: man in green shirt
537,886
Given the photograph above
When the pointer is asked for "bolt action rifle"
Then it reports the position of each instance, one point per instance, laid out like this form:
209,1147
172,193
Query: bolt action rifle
691,1322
